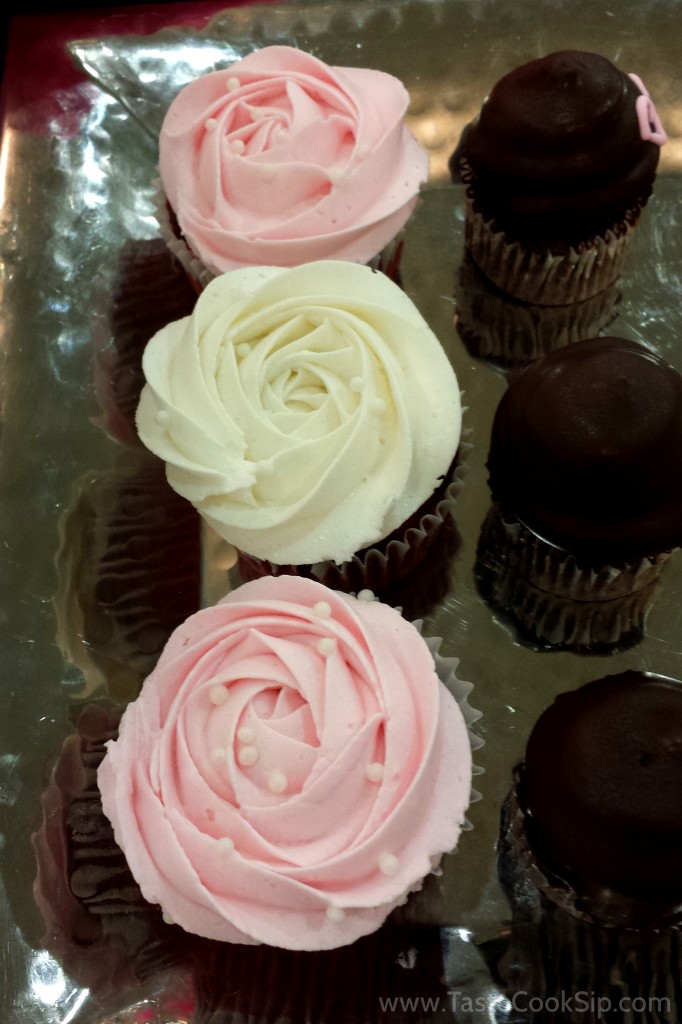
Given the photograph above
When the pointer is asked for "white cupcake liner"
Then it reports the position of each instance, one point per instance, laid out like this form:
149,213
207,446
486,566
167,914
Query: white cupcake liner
461,690
509,332
376,568
446,670
200,275
554,597
561,945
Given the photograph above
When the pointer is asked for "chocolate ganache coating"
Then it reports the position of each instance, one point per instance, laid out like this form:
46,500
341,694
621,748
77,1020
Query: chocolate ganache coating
600,790
586,451
556,151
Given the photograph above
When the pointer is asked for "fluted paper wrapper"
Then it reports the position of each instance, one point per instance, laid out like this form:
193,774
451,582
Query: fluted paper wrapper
564,963
555,597
543,276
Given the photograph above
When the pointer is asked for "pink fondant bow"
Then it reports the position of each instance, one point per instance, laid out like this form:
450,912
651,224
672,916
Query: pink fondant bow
650,127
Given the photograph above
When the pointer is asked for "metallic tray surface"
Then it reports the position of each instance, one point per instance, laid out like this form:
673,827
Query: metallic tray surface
71,202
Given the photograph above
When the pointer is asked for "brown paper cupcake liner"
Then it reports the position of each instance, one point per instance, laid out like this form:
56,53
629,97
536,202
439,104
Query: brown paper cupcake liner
545,276
509,332
387,261
572,961
378,567
556,598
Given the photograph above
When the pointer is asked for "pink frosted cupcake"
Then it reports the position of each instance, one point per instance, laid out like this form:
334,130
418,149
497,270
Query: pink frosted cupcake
309,414
292,769
281,160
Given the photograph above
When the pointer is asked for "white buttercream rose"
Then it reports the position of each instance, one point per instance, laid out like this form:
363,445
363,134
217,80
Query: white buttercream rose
291,770
306,413
281,160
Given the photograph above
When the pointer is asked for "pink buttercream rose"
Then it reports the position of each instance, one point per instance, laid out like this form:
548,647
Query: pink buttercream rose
281,160
291,770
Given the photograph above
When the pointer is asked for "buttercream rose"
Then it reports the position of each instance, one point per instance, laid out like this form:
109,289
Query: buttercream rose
291,770
281,160
306,413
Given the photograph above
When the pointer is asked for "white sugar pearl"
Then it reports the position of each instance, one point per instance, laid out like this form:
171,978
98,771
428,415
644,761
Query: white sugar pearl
336,175
225,845
237,147
327,645
231,84
258,114
388,864
167,919
375,771
277,781
218,695
356,384
322,609
335,913
365,595
246,734
247,756
243,349
210,124
219,754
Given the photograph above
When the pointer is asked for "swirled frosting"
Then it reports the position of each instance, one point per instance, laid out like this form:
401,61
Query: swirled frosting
292,768
307,413
557,148
282,160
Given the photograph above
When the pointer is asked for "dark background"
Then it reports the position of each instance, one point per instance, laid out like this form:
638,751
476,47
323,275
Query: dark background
11,8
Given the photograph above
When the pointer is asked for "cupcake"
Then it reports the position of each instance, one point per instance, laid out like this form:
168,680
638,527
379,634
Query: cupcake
586,481
292,769
590,854
282,160
558,166
309,414
510,333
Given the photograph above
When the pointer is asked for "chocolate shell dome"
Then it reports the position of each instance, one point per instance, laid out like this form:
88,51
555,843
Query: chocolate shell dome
600,789
586,450
556,150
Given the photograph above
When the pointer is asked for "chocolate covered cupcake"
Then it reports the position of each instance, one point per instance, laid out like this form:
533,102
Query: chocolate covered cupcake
586,482
558,166
590,853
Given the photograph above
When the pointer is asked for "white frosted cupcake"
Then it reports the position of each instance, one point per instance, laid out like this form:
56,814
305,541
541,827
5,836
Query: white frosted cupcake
282,160
308,414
